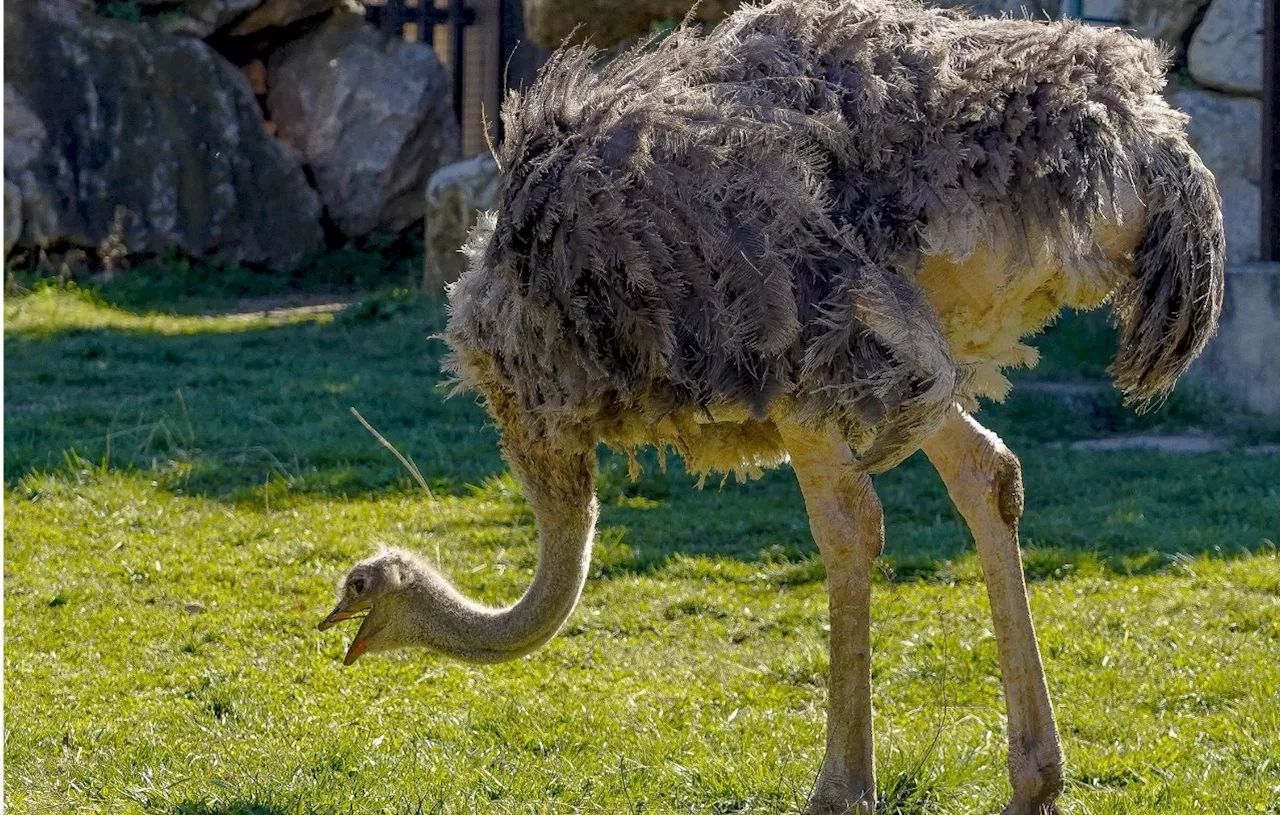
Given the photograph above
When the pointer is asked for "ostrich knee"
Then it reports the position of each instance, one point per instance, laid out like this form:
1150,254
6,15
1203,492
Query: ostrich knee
984,479
1009,492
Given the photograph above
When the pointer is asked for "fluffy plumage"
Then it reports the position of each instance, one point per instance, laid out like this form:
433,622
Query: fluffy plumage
711,230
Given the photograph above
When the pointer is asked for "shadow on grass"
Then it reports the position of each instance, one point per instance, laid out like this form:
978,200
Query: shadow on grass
175,283
225,409
1086,513
244,414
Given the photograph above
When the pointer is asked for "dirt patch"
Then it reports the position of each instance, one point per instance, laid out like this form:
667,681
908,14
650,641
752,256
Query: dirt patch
289,305
1184,443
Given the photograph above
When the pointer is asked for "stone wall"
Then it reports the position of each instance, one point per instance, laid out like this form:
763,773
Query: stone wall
1217,80
251,130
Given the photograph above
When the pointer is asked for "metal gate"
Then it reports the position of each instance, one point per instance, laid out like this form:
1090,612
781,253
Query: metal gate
477,41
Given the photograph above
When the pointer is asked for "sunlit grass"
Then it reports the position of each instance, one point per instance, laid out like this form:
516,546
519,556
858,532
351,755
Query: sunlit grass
181,494
53,310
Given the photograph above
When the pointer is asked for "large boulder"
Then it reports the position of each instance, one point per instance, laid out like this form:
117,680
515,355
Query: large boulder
1225,130
200,18
125,137
1035,9
603,23
371,117
203,18
278,13
1241,218
1164,20
25,140
1226,49
1241,362
1227,133
455,196
12,214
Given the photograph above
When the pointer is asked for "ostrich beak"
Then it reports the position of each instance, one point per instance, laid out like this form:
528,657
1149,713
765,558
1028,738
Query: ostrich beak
336,616
358,645
344,612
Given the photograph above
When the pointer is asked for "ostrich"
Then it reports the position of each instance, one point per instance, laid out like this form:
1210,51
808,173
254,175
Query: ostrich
816,233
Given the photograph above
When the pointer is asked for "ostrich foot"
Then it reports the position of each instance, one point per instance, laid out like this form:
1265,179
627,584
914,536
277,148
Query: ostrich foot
1036,790
836,798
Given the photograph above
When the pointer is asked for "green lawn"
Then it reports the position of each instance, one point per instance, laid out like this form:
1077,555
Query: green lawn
182,492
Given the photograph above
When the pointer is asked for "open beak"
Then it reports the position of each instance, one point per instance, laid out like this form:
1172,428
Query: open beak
336,616
340,613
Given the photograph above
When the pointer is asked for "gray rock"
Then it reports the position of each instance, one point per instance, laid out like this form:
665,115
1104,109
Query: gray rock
1225,130
1227,133
1035,9
1185,443
456,194
200,18
12,214
606,22
1114,10
25,138
1164,20
275,13
1226,49
1241,361
371,117
127,138
1242,218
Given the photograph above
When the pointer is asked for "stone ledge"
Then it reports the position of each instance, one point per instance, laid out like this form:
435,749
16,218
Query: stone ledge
1243,361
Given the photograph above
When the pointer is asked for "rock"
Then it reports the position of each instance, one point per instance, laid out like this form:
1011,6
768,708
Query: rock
25,141
200,18
996,8
1225,130
275,13
1164,20
24,134
1185,443
1227,133
455,195
1226,49
238,18
1241,361
1110,10
1242,217
606,22
370,115
12,214
128,138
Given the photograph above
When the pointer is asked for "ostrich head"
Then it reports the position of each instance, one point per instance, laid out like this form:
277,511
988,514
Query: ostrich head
402,602
406,602
391,593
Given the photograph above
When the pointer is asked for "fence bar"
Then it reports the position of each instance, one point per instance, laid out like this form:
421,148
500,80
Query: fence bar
1271,130
456,14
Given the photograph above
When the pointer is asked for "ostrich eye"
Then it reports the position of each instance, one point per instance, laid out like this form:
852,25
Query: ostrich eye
357,585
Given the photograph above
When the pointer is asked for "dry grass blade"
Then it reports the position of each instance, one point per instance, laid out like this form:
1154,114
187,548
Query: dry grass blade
407,462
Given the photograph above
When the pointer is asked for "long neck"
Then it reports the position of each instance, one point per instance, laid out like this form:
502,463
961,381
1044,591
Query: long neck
560,488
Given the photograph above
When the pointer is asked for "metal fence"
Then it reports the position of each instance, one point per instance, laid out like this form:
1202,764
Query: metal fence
481,42
420,17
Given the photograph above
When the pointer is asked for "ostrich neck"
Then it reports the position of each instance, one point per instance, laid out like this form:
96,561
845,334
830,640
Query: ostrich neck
561,494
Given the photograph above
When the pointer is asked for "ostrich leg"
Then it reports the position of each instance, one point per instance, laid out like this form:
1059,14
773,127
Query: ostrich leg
848,526
984,480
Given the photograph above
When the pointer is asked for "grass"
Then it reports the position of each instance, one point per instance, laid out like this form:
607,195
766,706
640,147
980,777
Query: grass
182,491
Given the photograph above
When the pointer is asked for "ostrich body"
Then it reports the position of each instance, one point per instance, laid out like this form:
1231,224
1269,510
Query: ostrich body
816,234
